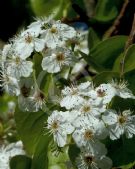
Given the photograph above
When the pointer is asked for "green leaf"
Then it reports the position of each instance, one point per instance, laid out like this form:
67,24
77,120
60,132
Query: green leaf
37,59
92,62
40,159
93,39
106,52
121,151
130,78
58,166
73,153
129,60
61,157
48,7
129,166
117,63
20,162
105,77
30,128
121,104
106,10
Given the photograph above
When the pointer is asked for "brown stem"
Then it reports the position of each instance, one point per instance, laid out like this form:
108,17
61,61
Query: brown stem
117,22
129,42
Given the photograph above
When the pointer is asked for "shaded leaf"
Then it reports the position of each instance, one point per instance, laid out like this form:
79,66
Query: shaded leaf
93,39
30,128
106,52
121,151
106,10
40,159
105,77
20,162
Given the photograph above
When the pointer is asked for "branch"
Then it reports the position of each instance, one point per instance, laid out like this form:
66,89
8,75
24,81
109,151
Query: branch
129,42
117,22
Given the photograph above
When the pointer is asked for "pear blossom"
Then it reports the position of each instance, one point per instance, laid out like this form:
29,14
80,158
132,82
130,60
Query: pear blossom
9,83
93,159
120,123
18,67
121,89
87,133
55,60
26,44
57,33
8,152
60,127
74,95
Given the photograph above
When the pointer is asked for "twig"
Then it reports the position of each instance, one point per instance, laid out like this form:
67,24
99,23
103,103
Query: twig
117,22
129,42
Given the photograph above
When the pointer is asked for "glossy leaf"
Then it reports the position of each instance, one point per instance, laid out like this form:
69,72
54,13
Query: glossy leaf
121,151
20,162
48,7
106,52
73,153
105,77
92,62
106,10
93,39
30,128
40,159
129,60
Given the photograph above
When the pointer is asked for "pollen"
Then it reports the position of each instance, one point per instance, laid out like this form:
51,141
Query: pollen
101,93
53,30
55,125
60,57
86,108
28,38
88,159
122,119
88,135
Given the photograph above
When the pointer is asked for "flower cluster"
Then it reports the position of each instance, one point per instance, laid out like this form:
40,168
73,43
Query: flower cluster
9,151
51,40
89,120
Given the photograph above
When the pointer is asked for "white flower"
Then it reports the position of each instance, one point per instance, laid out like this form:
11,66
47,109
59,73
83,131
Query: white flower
119,124
87,133
36,101
74,95
87,109
71,97
26,44
9,83
55,60
8,152
6,51
18,67
57,33
122,90
59,126
93,159
39,26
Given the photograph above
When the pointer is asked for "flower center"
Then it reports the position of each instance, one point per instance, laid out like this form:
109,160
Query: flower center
88,135
55,125
39,96
100,93
86,109
25,91
53,30
122,119
88,159
17,60
28,38
60,57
